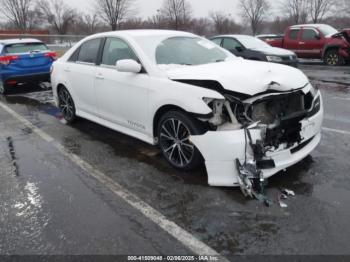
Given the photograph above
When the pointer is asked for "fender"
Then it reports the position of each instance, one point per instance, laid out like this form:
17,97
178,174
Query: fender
330,46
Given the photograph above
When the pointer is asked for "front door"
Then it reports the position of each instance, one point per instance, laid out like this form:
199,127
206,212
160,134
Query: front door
311,44
122,97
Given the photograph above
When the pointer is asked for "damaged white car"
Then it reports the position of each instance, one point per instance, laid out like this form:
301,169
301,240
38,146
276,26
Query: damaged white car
245,120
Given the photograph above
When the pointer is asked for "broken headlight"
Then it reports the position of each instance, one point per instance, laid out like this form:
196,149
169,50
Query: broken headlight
223,114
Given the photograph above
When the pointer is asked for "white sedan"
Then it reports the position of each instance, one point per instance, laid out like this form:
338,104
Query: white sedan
245,120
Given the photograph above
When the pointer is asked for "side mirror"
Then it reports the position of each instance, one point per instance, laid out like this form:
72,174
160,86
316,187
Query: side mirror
128,66
239,49
318,37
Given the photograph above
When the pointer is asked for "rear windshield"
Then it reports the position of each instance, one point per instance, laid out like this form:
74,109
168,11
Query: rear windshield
25,48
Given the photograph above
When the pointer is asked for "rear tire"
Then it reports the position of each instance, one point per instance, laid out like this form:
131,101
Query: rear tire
174,130
3,88
66,105
332,58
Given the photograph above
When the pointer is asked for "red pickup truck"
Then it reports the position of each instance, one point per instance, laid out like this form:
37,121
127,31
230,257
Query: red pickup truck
316,41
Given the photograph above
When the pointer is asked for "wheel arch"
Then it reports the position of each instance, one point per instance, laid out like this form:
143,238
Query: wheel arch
171,107
328,48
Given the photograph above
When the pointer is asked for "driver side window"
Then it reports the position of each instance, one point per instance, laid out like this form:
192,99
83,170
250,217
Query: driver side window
116,49
231,44
309,34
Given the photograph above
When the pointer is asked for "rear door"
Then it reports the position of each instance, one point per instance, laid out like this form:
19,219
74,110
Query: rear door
291,40
80,71
31,58
311,43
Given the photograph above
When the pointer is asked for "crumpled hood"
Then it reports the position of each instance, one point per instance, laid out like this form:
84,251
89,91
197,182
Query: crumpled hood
274,51
243,76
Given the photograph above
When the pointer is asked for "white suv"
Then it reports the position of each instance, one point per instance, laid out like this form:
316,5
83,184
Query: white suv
197,101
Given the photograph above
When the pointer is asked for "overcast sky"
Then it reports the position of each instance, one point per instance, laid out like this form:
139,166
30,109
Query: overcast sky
149,7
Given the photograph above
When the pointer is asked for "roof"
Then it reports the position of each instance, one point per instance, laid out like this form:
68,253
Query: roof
145,32
234,36
308,25
19,41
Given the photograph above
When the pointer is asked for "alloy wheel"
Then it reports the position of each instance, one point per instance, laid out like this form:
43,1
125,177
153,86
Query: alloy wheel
175,142
66,105
333,59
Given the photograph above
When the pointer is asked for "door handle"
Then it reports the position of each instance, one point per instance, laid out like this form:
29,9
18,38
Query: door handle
301,43
67,70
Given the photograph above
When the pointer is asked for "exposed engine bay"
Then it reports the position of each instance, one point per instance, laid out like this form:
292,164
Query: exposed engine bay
277,118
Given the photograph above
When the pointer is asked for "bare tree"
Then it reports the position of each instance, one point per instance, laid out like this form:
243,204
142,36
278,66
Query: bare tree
201,26
220,21
114,12
58,15
296,10
90,23
223,23
17,12
318,9
177,12
35,19
255,12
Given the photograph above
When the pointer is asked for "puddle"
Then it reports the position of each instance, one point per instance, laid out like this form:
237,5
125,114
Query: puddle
13,156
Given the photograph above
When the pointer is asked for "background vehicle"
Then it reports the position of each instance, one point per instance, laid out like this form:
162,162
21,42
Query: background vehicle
24,61
252,48
317,41
194,99
269,37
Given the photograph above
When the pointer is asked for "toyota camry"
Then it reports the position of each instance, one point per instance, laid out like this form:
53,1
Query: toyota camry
245,120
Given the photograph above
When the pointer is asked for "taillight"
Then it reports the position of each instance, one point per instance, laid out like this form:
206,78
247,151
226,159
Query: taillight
5,60
53,55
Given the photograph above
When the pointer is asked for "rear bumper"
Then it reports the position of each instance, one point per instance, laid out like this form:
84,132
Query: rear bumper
32,78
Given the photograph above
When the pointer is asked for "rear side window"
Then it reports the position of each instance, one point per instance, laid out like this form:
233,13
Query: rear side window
217,41
231,44
293,34
116,49
89,51
25,48
309,34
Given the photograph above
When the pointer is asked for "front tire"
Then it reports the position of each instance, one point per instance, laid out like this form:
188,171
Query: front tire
174,131
66,105
332,58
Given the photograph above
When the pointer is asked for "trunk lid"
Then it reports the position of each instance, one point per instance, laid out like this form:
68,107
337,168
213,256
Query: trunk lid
32,59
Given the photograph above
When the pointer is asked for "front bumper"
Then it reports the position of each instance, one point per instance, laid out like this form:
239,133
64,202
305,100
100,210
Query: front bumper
221,149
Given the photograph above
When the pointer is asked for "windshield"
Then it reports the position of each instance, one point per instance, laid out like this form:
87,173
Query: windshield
25,48
182,50
327,30
251,42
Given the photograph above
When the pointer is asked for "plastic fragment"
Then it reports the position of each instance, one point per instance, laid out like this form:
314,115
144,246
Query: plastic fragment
288,192
282,204
282,197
